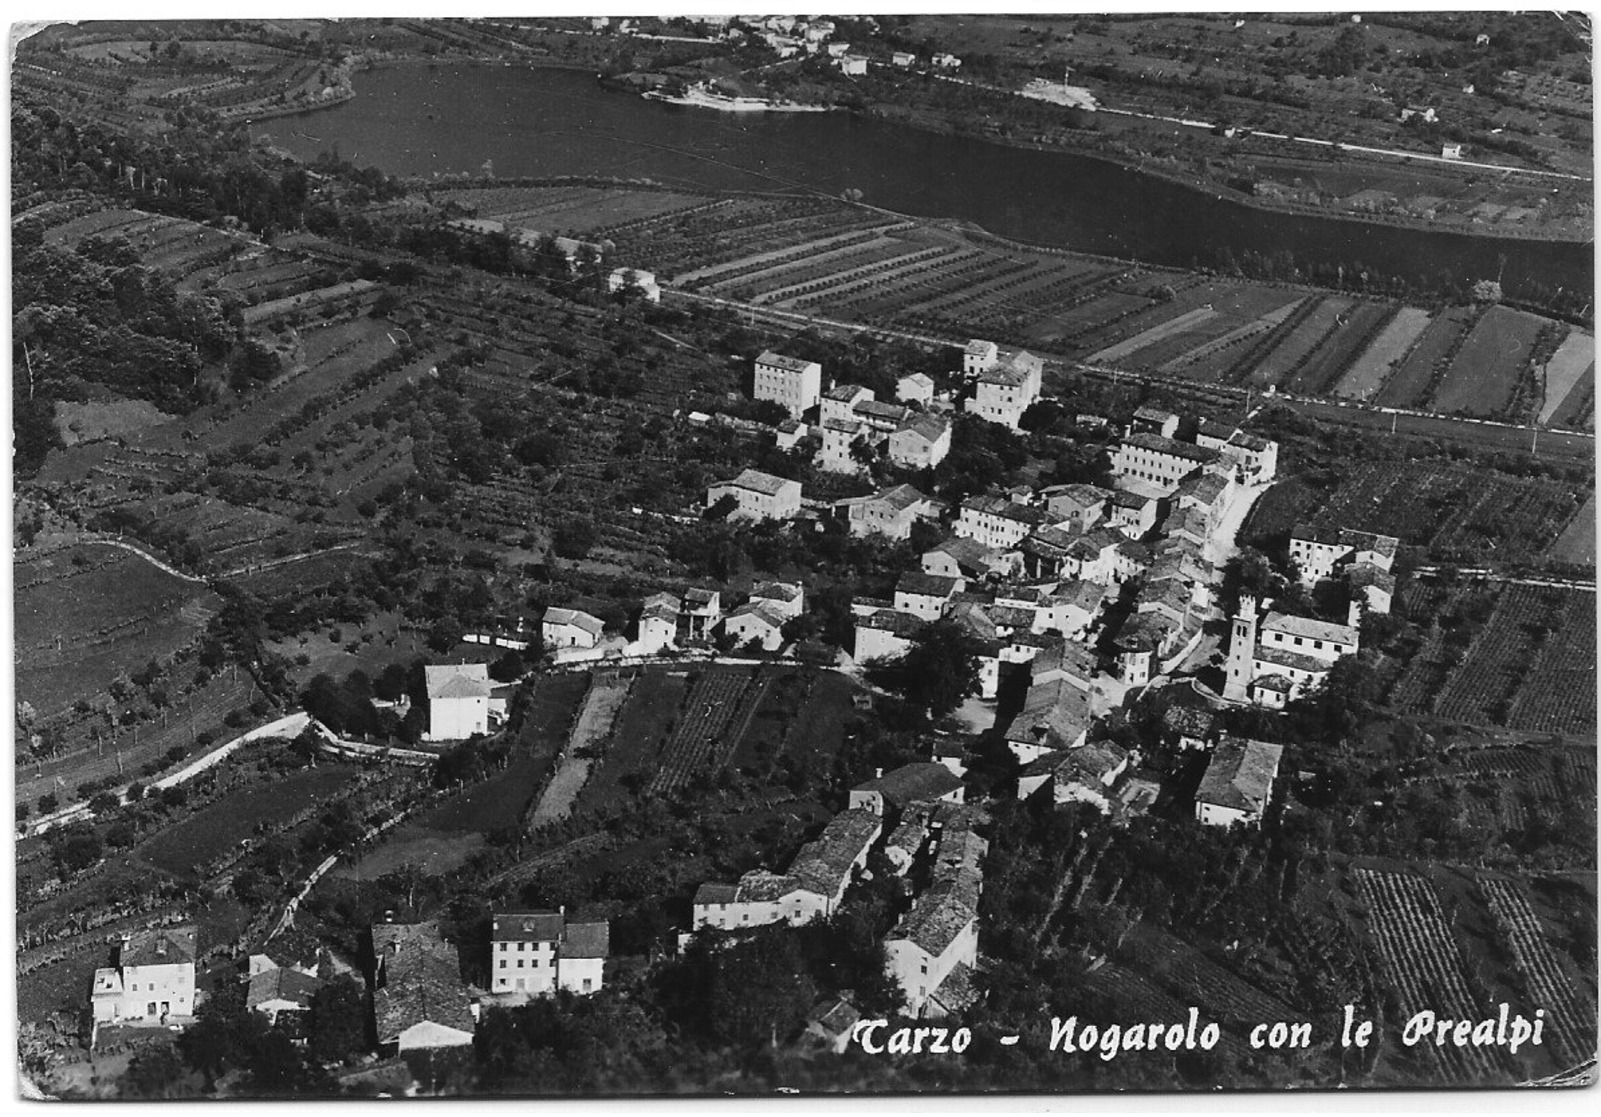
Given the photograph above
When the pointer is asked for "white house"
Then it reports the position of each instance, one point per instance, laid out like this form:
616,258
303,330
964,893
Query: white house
837,451
458,700
538,952
925,595
152,982
758,621
979,356
947,61
884,634
891,512
1238,785
758,496
915,388
939,933
658,623
903,58
787,599
570,628
642,281
1005,390
996,521
922,443
853,65
840,401
794,383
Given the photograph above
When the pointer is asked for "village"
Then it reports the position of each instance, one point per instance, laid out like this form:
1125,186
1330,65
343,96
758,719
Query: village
1094,593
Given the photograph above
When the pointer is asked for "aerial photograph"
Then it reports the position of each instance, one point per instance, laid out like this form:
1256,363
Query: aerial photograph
747,554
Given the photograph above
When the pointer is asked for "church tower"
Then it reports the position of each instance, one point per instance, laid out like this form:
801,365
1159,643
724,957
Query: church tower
1242,650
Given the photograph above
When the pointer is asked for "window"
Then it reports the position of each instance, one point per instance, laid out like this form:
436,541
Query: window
519,963
522,946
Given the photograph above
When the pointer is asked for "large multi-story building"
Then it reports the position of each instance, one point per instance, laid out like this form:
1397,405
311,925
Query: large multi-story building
1158,460
1320,553
539,952
153,981
1005,390
789,381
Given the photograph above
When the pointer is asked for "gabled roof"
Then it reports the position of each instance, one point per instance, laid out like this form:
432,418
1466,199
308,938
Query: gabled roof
577,618
1172,447
936,918
716,894
758,482
1055,714
959,991
1240,774
884,412
586,938
842,426
1211,428
844,393
759,886
762,611
824,863
422,981
1089,763
1385,545
281,984
165,946
896,621
1189,721
834,1018
921,380
699,599
1309,629
910,783
1067,659
1153,414
898,498
967,553
928,585
977,347
776,591
930,428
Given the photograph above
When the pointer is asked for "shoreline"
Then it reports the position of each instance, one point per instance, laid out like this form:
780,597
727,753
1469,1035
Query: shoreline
885,111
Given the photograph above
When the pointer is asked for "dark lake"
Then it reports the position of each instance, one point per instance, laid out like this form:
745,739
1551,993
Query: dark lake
420,120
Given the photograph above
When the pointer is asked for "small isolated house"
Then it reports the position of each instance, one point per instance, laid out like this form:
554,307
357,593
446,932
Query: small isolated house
458,700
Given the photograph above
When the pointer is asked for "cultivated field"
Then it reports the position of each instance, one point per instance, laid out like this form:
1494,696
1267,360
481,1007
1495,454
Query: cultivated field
1372,368
1494,359
1570,366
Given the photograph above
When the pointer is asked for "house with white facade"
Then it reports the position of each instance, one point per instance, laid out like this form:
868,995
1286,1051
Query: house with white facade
916,387
938,934
1321,554
1163,462
1238,784
838,450
758,496
922,443
570,628
889,512
152,982
758,622
962,557
795,384
1006,389
840,401
658,623
997,521
1277,659
925,595
458,700
535,953
635,280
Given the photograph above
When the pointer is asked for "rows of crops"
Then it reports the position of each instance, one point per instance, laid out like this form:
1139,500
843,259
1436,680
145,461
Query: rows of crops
1373,366
1481,689
1571,1023
1558,691
1419,955
714,716
1485,375
1410,383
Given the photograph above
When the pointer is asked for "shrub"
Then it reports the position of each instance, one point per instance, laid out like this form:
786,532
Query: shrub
47,803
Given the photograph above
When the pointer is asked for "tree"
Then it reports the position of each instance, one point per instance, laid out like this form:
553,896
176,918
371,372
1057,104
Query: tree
574,537
336,1026
938,671
153,1073
508,668
104,802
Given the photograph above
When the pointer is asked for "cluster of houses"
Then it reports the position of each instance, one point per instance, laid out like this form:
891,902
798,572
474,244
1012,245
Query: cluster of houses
916,815
419,999
669,621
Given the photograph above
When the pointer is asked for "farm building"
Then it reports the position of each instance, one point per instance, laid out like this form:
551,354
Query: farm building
916,388
153,981
635,280
947,61
756,621
853,65
922,443
419,1000
890,512
923,782
1238,784
758,496
789,381
538,952
458,700
570,628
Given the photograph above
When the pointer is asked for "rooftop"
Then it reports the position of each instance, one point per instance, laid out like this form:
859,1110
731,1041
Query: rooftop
825,863
757,481
165,946
1240,774
935,920
895,621
788,364
911,783
281,984
575,617
422,980
928,585
1172,447
1309,629
1056,713
845,393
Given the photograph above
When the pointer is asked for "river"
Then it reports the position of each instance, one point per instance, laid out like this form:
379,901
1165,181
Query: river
544,121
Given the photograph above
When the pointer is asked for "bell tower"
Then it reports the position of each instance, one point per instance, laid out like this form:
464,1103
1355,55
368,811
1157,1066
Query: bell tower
1242,648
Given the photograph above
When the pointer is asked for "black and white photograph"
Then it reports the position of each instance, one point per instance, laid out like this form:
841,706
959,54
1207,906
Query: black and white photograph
653,555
